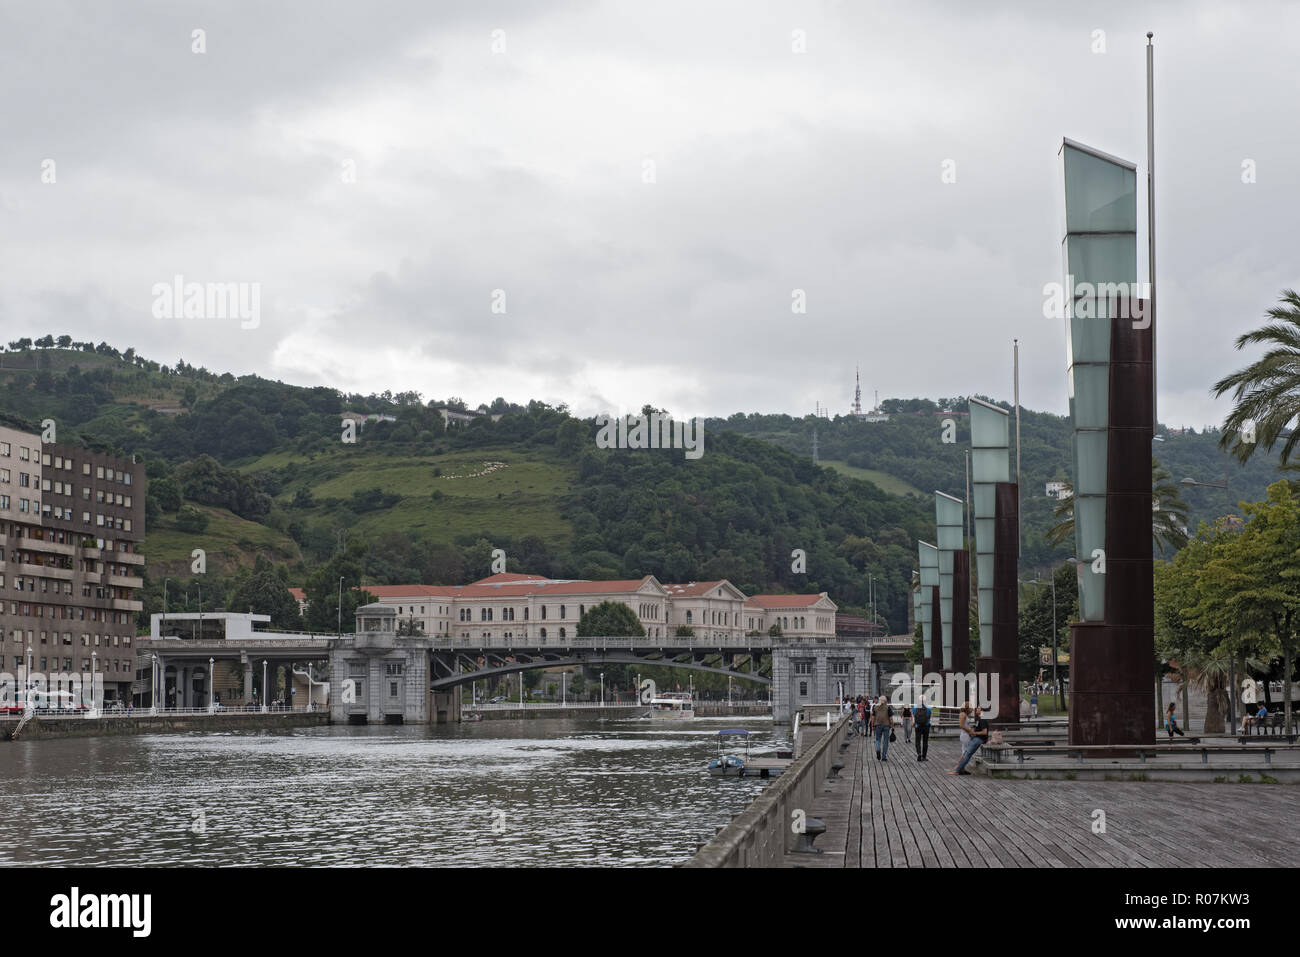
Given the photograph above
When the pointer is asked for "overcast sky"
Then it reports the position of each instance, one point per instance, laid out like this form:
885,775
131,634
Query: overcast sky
524,169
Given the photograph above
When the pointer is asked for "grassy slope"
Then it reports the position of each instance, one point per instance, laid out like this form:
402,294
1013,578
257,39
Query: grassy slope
882,480
227,539
521,499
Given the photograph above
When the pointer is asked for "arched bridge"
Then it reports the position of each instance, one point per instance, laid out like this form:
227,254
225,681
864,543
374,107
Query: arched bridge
459,661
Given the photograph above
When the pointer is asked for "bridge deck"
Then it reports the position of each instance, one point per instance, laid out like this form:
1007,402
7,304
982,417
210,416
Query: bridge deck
904,813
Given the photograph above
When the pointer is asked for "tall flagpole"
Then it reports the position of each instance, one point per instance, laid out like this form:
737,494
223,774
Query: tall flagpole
1151,215
1015,347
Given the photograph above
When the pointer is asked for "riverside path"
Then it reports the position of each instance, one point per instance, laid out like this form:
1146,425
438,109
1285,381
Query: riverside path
904,813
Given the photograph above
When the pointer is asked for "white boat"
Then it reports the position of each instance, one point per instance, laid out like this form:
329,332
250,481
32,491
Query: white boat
672,706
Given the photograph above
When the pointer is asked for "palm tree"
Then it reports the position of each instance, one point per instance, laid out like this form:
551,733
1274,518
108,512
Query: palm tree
1168,512
1266,392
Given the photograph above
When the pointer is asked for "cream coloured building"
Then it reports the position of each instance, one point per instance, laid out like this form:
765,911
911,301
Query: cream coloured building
512,605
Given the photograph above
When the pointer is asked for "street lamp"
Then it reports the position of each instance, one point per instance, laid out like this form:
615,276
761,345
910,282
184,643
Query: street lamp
602,689
157,683
264,709
1227,495
340,625
212,684
27,681
93,669
1056,681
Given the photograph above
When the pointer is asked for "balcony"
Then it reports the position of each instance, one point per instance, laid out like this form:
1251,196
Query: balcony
125,581
54,548
128,558
125,604
43,571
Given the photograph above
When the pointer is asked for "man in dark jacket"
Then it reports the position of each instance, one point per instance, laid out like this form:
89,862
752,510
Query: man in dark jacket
921,715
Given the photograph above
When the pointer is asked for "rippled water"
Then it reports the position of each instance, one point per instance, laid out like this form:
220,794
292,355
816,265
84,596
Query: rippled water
519,793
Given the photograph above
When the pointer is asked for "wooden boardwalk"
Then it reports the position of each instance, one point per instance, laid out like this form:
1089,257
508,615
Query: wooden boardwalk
905,813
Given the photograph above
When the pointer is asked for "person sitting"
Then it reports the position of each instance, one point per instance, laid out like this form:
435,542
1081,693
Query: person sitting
1253,720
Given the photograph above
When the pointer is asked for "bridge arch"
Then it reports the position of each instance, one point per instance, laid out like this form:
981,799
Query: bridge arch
455,679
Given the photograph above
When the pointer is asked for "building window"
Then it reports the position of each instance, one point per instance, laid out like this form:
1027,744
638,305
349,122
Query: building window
562,635
803,689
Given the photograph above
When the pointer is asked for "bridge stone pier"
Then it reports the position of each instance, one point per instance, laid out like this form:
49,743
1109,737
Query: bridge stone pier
817,672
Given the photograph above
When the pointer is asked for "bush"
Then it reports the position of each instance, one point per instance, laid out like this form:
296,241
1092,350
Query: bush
190,519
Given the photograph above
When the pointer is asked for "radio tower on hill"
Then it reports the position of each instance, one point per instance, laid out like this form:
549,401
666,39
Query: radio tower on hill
857,391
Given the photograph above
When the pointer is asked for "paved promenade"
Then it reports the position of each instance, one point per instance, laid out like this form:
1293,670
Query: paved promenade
904,813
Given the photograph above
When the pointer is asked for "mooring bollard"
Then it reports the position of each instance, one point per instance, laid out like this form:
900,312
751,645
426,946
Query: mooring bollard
836,768
814,828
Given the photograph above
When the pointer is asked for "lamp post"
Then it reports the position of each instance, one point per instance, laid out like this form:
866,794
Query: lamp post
212,684
264,708
564,679
164,617
157,684
1056,681
340,624
311,705
94,655
1232,670
602,689
27,681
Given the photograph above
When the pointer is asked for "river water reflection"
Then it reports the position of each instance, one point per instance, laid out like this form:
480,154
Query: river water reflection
554,792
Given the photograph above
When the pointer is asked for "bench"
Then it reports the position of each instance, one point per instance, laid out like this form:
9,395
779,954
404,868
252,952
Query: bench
1080,751
1272,724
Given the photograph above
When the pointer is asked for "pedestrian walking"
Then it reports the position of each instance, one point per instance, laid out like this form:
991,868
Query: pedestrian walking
979,734
1171,723
882,720
1033,705
921,715
907,724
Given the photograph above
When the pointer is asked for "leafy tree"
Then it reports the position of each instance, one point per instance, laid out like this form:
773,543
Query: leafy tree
1251,581
610,619
322,591
264,591
165,492
684,631
1036,613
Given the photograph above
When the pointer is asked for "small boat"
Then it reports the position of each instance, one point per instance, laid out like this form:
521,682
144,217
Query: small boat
730,765
672,706
471,716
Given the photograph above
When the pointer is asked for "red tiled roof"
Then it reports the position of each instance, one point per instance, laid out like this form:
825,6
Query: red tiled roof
504,577
691,588
785,601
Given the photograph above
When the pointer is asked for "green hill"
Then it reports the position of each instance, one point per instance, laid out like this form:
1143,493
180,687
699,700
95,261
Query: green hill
411,499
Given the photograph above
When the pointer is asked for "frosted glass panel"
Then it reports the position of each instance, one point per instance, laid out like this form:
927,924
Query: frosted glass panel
1100,196
1097,260
988,427
990,465
1090,463
1091,395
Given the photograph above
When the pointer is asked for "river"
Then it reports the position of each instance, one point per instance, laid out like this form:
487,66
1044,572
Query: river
547,792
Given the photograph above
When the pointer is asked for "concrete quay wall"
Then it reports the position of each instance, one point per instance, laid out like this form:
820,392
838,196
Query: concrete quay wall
761,835
159,724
